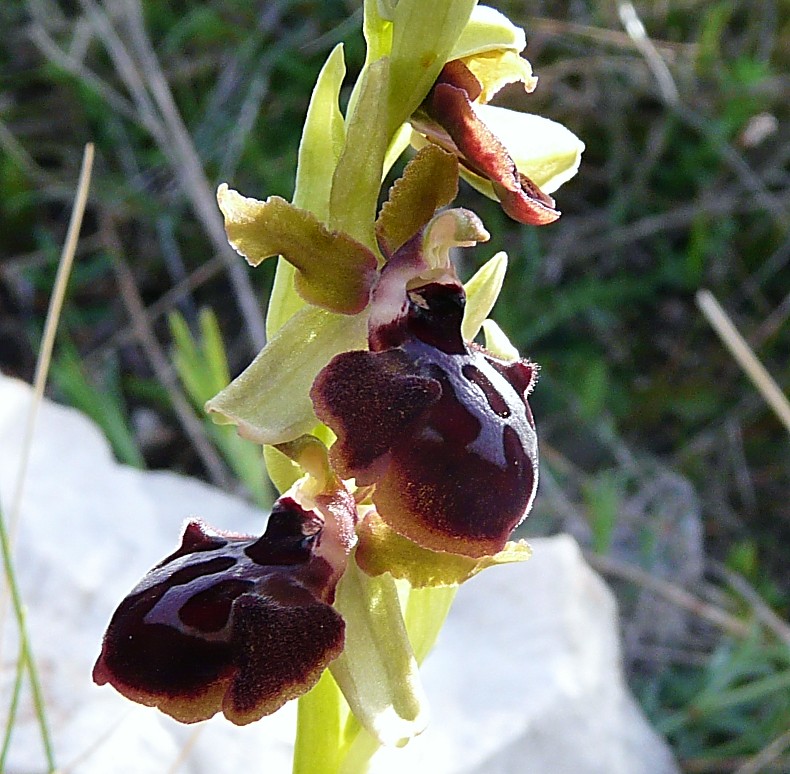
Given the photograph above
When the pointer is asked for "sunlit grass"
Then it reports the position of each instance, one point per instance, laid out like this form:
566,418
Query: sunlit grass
26,661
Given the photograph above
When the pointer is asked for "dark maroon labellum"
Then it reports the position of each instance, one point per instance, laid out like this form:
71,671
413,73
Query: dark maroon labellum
229,623
441,427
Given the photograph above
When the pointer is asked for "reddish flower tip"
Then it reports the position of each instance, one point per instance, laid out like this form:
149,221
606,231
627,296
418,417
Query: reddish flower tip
449,120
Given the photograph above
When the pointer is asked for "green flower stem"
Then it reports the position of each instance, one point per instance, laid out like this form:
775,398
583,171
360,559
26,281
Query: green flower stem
318,729
321,744
359,750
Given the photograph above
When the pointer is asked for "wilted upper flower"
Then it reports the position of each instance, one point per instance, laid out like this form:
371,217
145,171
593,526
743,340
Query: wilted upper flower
515,157
233,623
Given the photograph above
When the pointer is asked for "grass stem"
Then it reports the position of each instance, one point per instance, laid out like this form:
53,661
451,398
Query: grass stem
744,356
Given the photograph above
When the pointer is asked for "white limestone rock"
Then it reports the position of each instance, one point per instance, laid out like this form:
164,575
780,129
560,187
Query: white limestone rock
525,678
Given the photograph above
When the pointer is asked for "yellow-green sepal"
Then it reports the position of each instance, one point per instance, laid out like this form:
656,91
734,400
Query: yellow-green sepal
322,141
488,30
377,670
333,270
382,550
269,401
323,137
357,179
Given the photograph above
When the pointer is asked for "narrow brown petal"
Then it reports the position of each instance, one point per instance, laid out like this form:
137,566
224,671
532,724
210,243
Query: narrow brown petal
429,182
482,153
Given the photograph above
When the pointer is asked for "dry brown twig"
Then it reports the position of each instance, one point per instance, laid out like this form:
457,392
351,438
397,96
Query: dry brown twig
769,755
154,108
744,356
670,591
762,612
159,361
160,307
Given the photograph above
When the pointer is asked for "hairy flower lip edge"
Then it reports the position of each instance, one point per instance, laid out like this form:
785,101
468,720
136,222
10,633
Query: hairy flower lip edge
233,623
417,370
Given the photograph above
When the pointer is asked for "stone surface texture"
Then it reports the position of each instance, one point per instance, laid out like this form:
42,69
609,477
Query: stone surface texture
525,678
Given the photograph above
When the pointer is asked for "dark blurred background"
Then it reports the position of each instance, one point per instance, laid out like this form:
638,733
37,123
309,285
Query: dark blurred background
659,454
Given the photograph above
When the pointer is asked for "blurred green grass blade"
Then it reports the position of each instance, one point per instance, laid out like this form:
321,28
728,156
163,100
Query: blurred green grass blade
13,708
104,405
202,367
602,496
25,661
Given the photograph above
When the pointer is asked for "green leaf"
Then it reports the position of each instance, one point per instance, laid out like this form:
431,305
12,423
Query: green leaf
104,405
603,496
201,363
202,367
